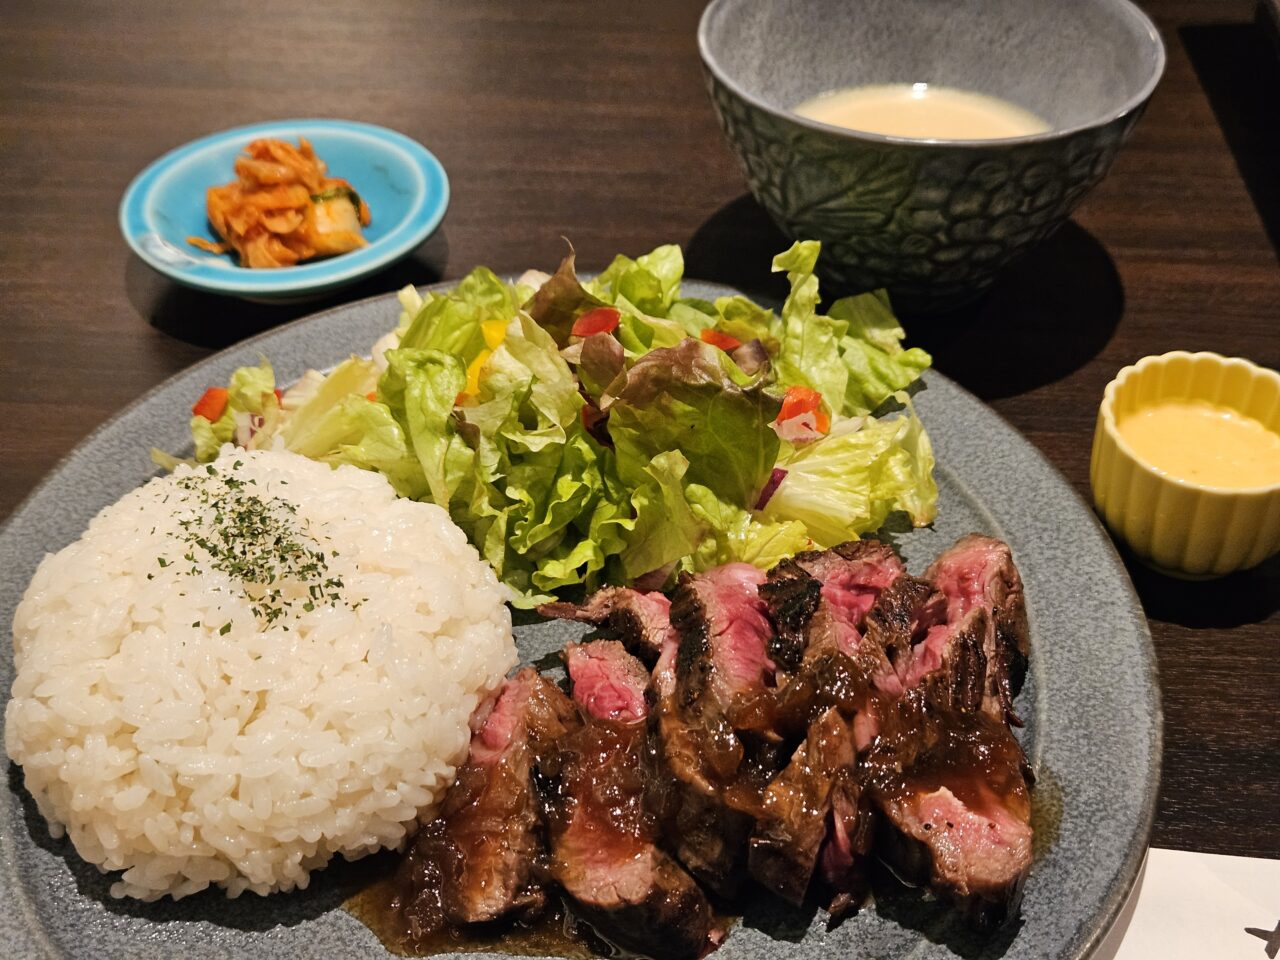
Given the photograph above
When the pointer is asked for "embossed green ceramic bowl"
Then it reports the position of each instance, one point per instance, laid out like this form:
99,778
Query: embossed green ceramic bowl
933,221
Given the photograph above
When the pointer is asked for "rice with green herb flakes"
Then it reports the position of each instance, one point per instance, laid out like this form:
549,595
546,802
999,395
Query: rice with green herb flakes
242,669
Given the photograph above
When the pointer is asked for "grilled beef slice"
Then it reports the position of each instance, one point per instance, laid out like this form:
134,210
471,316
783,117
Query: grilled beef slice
842,582
602,837
853,576
830,678
640,620
908,613
708,699
901,617
951,788
792,597
702,796
950,661
796,809
724,630
978,574
842,861
476,861
697,753
608,682
815,814
842,660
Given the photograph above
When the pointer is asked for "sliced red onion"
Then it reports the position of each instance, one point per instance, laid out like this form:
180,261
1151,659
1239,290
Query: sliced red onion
770,487
751,357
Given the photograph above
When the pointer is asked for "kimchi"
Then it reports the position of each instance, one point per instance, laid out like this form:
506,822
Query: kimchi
282,209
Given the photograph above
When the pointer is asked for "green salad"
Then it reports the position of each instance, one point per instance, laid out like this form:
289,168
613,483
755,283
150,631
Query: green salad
613,430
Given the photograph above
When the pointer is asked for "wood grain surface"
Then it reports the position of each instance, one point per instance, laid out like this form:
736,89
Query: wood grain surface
589,121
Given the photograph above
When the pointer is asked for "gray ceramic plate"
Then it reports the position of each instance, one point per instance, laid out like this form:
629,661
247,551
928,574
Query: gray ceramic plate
1091,705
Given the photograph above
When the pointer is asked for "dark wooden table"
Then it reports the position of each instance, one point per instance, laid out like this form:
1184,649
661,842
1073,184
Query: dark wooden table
590,121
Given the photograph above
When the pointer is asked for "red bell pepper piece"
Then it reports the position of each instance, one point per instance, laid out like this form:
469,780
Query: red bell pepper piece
212,404
722,340
804,402
599,320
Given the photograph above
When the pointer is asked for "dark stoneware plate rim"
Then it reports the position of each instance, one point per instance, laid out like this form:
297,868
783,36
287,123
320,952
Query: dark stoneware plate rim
1127,7
20,921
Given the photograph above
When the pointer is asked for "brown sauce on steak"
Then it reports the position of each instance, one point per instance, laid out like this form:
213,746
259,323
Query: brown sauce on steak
794,728
548,935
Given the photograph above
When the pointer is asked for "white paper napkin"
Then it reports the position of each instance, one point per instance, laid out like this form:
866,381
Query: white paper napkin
1199,906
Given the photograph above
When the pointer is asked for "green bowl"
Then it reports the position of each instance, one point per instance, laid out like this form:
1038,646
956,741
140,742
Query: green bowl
933,221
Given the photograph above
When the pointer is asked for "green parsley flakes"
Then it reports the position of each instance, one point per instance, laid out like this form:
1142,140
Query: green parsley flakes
256,541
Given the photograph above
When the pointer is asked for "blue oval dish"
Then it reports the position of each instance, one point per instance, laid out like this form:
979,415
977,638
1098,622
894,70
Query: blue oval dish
403,183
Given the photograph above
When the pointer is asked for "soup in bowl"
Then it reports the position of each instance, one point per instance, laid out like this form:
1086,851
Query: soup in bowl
931,210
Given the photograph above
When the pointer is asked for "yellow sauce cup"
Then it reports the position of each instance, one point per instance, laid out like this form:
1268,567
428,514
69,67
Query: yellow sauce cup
1183,528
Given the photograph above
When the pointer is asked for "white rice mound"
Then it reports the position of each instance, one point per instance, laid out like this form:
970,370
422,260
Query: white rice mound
176,737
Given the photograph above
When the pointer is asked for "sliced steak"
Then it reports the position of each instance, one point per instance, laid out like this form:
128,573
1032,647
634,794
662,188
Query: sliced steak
796,809
838,674
608,682
724,632
853,576
978,573
833,674
713,712
842,862
910,621
477,860
829,679
640,620
791,596
950,661
550,719
704,794
842,582
956,812
602,836
900,618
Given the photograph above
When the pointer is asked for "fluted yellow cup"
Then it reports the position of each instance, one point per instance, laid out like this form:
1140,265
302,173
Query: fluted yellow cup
1184,528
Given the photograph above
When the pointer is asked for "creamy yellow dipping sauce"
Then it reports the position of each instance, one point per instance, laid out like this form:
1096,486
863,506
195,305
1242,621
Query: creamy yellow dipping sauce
924,111
1203,443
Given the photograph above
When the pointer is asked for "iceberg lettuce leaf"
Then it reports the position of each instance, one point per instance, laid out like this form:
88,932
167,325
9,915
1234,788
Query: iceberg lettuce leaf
848,482
872,351
731,534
